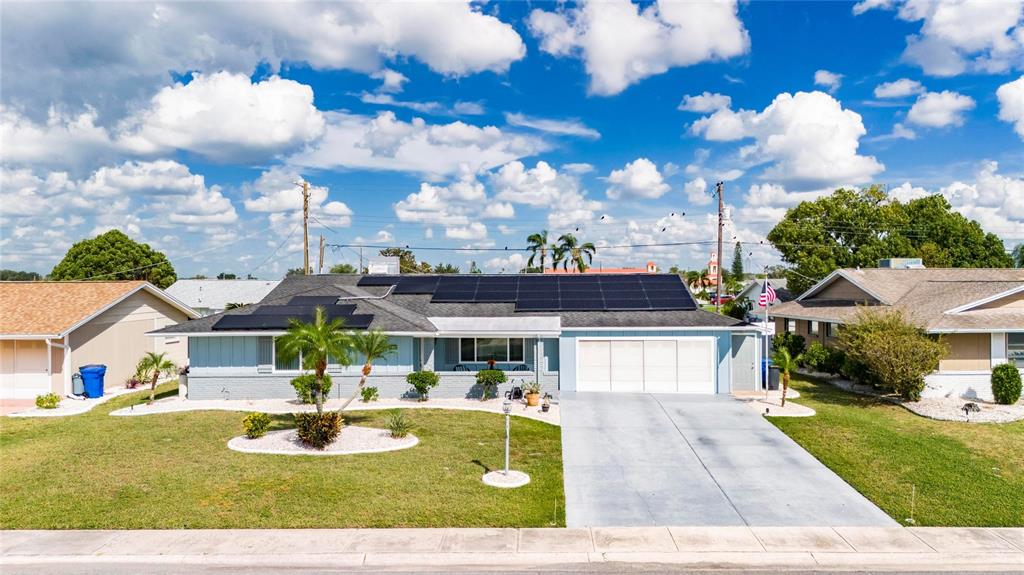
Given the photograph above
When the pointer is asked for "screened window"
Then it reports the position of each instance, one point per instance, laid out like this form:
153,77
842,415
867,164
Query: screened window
280,364
1015,349
487,348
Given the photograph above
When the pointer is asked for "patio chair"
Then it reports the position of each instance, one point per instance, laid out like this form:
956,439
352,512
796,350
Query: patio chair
520,367
460,367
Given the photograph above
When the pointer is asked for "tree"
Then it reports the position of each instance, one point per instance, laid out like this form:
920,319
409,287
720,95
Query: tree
1018,256
294,272
19,276
446,269
114,256
570,251
372,345
406,259
343,269
677,270
151,367
232,305
785,363
737,262
857,228
538,244
226,276
315,344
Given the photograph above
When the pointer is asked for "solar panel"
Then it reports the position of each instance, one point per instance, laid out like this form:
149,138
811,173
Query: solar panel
538,305
456,289
313,300
358,321
378,280
304,310
582,305
252,321
416,285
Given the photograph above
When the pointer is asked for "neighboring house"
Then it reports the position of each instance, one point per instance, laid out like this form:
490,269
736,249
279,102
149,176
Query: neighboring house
651,268
607,333
978,312
752,292
713,270
50,329
208,297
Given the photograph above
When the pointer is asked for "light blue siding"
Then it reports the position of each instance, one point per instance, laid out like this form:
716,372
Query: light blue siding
218,355
567,351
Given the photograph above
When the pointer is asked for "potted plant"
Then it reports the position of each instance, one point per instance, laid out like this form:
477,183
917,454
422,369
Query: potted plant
491,363
532,393
547,403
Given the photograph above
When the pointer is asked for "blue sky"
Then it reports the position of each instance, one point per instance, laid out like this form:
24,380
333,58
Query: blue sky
473,125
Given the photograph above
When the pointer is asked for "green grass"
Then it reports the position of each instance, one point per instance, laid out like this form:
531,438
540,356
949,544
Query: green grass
175,471
965,474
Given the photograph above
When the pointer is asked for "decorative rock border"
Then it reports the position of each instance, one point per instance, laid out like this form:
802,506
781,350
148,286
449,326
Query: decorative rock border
352,440
510,481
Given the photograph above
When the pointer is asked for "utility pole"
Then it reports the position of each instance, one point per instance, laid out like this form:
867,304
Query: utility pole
321,268
361,259
719,189
305,227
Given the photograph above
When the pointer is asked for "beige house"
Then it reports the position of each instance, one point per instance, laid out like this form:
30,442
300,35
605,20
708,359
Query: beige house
50,329
979,313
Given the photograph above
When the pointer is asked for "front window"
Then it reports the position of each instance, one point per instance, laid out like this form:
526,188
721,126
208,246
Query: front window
500,349
830,329
1015,349
813,329
791,325
280,364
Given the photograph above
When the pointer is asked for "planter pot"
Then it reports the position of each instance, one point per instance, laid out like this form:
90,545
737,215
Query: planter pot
545,408
533,399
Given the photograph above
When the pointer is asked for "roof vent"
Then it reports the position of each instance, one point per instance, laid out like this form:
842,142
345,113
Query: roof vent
901,264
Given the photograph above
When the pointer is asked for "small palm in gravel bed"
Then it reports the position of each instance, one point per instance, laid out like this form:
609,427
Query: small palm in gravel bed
318,429
399,425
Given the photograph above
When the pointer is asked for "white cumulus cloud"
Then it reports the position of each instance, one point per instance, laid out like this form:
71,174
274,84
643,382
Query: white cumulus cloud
570,127
705,102
898,88
828,80
637,179
1011,104
940,109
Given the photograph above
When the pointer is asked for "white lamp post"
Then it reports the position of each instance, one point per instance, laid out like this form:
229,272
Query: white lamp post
507,408
506,478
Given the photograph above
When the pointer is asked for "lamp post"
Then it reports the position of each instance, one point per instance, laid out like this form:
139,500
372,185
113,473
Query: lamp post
507,408
507,477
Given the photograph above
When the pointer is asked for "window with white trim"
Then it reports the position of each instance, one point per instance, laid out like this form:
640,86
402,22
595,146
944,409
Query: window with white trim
502,349
830,329
813,328
1015,349
791,325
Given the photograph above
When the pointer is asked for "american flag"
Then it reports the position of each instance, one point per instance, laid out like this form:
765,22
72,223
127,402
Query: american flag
767,295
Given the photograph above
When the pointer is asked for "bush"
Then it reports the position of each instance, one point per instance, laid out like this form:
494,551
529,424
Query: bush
132,382
318,429
531,387
796,344
304,387
422,382
1006,385
47,401
737,309
488,380
256,425
822,358
883,348
369,394
398,424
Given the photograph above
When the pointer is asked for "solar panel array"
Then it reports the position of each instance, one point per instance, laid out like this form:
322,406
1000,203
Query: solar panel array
300,308
548,292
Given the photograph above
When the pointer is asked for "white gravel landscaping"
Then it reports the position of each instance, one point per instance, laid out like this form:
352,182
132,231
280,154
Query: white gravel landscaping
74,405
352,440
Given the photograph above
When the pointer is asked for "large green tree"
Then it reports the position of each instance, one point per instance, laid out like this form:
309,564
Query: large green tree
114,256
19,276
737,262
343,269
1018,256
851,228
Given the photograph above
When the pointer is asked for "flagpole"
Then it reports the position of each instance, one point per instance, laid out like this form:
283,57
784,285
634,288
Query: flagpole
765,372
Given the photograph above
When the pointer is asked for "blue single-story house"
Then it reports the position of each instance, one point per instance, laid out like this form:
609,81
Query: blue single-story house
601,333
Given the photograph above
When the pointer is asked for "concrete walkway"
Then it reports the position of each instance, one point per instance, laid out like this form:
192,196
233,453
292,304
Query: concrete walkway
617,549
642,459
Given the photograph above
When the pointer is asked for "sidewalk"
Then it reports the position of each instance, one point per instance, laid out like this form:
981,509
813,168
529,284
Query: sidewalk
618,549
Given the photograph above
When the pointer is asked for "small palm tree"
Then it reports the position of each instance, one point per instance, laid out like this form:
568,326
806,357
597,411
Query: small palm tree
151,367
570,251
538,244
372,345
786,363
316,343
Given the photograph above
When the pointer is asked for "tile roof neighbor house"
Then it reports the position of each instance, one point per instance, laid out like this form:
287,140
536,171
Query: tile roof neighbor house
212,296
978,312
49,329
610,333
651,268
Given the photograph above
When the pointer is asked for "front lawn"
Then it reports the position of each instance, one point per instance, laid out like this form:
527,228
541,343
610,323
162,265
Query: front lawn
95,471
965,474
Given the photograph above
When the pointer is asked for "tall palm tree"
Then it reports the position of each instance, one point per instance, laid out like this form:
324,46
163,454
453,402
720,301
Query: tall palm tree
538,244
151,367
570,251
315,343
786,363
372,345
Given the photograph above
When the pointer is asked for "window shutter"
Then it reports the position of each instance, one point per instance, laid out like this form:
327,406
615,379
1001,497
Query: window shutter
451,351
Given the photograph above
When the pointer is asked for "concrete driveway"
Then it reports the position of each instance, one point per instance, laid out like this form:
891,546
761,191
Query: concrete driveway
642,459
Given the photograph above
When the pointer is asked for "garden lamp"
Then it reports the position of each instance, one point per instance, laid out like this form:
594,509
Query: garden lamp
506,407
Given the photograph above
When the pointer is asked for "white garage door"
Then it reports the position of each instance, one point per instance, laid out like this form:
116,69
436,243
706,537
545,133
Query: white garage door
667,365
23,372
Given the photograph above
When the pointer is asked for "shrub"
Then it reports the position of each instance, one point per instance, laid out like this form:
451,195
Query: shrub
369,394
796,344
885,349
488,380
132,382
1006,385
398,424
256,425
47,401
422,382
822,358
737,309
304,387
318,429
531,387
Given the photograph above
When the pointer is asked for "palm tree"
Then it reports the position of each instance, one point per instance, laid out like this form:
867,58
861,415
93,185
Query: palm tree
538,243
372,345
1018,255
570,251
315,343
151,367
786,363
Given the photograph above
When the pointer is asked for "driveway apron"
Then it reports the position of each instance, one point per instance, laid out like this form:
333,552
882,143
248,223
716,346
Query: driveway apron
659,459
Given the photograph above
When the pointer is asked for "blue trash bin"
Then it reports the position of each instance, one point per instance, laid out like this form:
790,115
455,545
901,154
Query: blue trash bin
766,365
92,377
